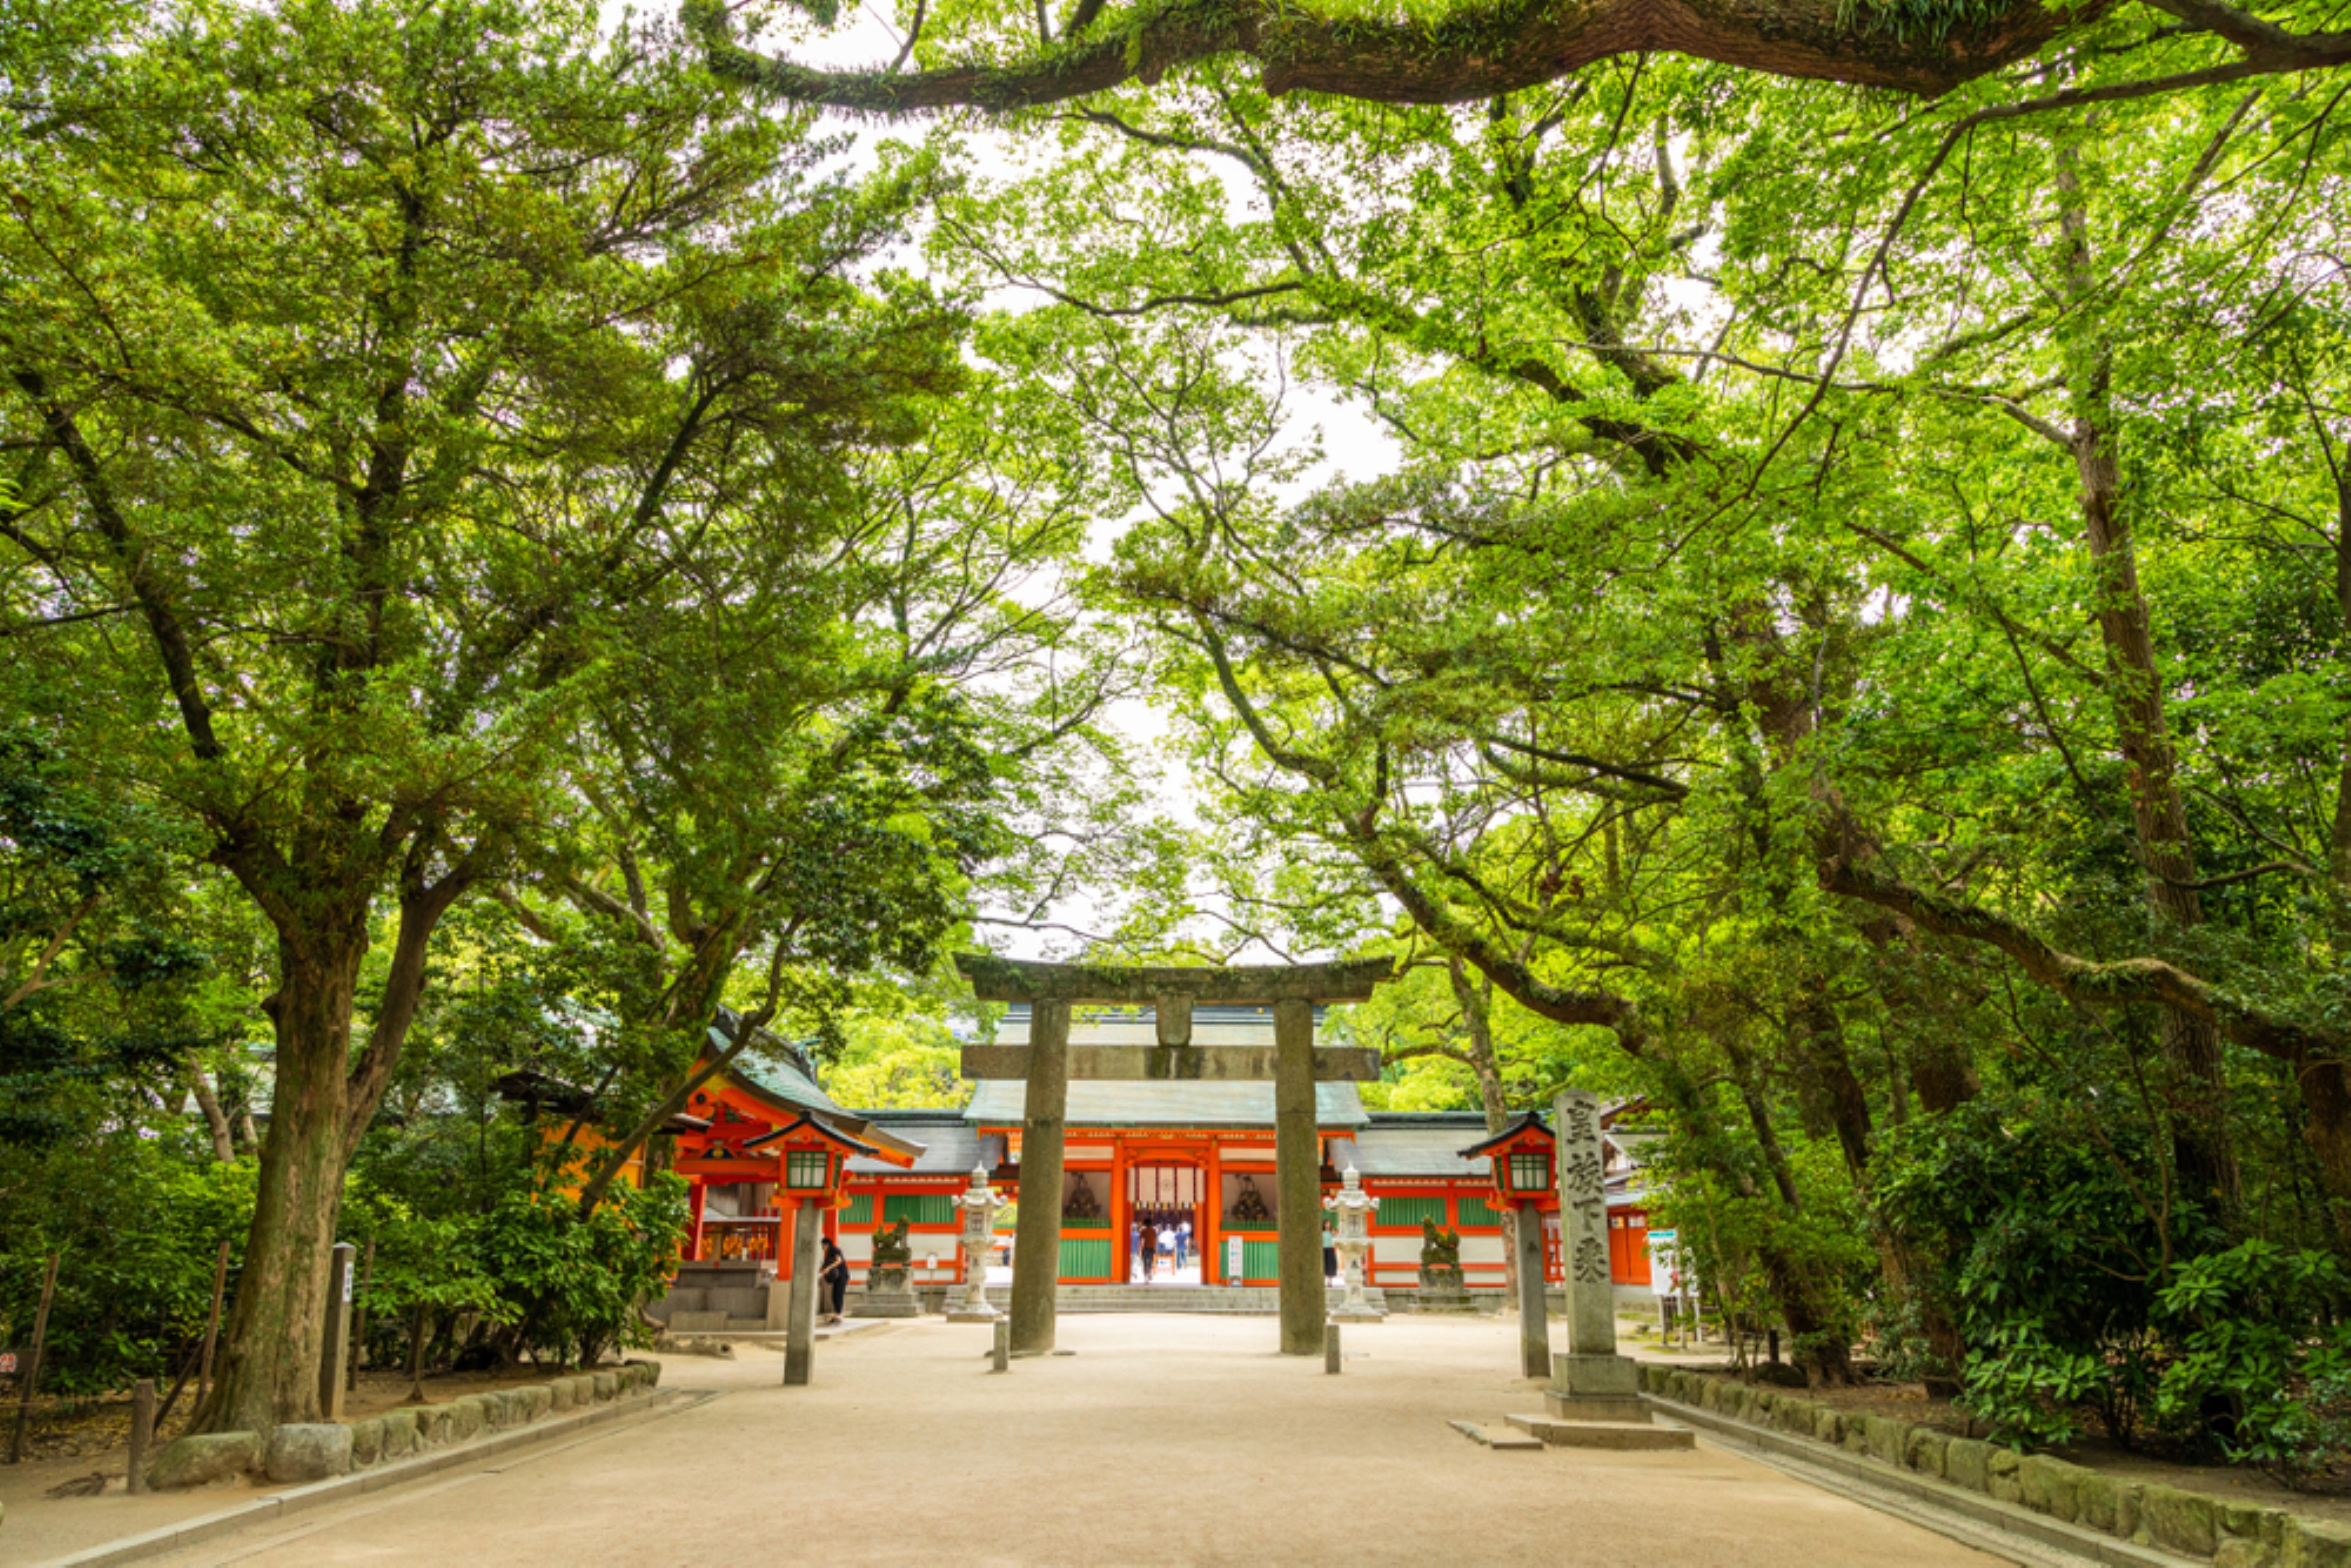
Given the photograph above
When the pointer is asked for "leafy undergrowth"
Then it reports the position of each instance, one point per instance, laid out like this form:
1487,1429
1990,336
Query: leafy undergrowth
2325,1496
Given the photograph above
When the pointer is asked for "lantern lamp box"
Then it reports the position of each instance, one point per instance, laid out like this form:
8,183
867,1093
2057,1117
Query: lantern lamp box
814,1157
1523,1156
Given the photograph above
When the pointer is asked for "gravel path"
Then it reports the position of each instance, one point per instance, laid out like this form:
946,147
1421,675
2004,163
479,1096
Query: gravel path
1164,1439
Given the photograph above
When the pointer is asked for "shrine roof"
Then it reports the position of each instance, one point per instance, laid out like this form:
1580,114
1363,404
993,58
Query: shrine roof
784,1074
1401,1143
950,1146
1101,1103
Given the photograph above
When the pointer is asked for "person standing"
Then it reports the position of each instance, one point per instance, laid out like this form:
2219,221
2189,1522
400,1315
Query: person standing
1330,1255
1150,1249
832,1279
1183,1240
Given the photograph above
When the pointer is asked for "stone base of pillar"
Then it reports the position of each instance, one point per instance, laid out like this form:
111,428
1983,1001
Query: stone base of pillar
890,1293
960,1314
1365,1314
1441,1291
1596,1388
1558,1433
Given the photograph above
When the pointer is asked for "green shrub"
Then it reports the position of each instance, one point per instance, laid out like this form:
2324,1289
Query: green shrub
2259,1333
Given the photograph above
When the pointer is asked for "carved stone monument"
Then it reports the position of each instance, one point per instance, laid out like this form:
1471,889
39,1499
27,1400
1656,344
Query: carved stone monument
979,1203
1591,1382
889,1280
1441,1288
1352,1208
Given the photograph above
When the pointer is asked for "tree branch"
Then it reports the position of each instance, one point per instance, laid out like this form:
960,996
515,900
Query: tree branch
1501,47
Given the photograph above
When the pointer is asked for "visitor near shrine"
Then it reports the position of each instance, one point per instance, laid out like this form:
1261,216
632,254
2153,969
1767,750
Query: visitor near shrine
835,1275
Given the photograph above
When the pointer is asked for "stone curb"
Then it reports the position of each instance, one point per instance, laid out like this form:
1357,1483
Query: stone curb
1968,1516
1960,1473
317,1494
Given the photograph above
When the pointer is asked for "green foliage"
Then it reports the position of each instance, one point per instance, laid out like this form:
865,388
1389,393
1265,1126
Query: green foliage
138,1228
2024,1227
571,1285
2262,1357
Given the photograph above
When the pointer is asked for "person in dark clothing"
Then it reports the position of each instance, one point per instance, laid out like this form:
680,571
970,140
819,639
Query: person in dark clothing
1150,1239
832,1279
1330,1257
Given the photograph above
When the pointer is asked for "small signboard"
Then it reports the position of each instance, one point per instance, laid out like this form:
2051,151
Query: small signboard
1665,1263
8,1364
1233,1275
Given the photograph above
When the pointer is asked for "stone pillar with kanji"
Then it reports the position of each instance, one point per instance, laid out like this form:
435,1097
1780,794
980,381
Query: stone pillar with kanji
1591,1382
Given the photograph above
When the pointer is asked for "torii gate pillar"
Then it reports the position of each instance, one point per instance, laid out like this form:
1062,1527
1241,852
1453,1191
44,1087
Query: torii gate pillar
1048,1064
1298,1177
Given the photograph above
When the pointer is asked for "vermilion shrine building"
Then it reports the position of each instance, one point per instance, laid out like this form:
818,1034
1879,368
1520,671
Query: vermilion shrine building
1198,1152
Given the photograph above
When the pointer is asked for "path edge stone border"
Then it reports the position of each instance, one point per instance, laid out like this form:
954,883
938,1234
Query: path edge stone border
2065,1506
381,1478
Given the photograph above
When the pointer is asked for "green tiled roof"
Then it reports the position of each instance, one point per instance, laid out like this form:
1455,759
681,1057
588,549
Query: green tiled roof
782,1078
997,1102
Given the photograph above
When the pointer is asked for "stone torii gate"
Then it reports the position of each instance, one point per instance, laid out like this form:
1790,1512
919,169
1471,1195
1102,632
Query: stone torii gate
1048,1063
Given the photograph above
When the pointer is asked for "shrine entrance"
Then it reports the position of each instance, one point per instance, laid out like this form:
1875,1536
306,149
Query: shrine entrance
1168,1198
1046,1064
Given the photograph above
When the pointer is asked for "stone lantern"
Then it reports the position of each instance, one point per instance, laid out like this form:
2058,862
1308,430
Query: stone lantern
1352,1208
979,1203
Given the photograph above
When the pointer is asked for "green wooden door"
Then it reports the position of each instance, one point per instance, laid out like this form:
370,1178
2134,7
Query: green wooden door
1085,1257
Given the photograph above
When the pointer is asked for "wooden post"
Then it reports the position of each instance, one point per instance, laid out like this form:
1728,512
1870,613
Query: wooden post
800,1327
212,1328
32,1368
1036,1236
359,1317
142,1431
1298,1179
1122,1213
336,1337
416,1354
1212,1216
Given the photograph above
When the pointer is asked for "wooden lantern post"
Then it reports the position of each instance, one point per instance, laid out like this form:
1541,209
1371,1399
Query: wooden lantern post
809,1162
1523,1161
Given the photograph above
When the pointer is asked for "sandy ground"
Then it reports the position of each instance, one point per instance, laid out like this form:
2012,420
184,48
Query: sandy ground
96,1448
1164,1439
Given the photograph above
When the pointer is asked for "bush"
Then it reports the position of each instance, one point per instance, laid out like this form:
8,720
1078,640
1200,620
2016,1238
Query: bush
138,1230
2262,1364
570,1286
2028,1240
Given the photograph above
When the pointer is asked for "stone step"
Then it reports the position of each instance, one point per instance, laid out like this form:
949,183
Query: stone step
1619,1434
1499,1437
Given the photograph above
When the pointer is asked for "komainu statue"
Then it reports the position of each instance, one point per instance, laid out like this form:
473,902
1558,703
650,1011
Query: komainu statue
1440,1251
1441,1289
892,1249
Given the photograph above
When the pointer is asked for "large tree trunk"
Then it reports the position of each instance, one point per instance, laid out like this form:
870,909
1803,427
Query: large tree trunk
269,1359
1823,1351
1475,996
2192,1045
